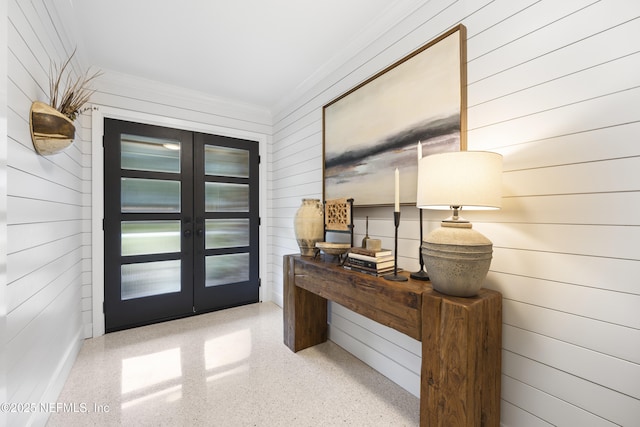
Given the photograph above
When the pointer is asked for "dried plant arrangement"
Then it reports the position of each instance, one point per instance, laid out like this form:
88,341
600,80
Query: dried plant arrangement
52,128
76,93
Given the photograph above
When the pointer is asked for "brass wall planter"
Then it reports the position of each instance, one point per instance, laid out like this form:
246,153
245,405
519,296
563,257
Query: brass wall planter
51,131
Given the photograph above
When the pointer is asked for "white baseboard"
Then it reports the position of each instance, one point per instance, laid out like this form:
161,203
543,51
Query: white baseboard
59,377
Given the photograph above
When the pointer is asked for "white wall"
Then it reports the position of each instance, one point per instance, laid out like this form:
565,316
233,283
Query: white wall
47,222
554,87
49,290
3,208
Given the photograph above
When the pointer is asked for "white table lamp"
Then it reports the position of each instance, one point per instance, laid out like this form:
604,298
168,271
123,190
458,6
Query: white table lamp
457,257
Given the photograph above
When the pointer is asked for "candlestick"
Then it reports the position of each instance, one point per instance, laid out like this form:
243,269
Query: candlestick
421,274
394,277
397,192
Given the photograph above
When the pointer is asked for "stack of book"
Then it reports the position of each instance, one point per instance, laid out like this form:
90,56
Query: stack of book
375,262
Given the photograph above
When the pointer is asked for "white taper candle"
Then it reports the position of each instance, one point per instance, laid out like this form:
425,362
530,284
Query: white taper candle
397,192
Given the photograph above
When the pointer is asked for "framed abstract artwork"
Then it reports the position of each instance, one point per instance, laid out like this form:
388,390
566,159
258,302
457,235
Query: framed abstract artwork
377,126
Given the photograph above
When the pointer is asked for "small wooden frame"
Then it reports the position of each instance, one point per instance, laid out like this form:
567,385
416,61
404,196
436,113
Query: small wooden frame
338,217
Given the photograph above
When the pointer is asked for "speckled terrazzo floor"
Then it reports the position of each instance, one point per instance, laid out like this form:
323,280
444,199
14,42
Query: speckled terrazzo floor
228,368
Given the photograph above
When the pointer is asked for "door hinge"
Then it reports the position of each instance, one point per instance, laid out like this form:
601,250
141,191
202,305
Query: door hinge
102,224
259,159
259,221
259,282
103,309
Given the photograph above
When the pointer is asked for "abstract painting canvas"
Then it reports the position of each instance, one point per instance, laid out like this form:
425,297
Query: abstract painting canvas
377,126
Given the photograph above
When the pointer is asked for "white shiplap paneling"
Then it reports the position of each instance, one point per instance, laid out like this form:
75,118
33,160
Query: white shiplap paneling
46,203
551,86
3,206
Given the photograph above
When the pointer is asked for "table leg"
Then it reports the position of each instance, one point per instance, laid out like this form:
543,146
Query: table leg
305,313
461,362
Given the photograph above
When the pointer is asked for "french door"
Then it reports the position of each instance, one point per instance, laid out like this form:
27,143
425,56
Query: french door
181,223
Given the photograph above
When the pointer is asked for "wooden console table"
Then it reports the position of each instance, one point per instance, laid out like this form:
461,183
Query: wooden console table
461,337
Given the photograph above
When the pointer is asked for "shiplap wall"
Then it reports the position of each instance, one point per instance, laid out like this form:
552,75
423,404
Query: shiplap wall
47,222
49,285
3,208
554,87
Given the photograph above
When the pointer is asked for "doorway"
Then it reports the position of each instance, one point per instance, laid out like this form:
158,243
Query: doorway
181,222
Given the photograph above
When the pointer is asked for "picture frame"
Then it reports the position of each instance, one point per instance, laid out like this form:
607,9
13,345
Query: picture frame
376,127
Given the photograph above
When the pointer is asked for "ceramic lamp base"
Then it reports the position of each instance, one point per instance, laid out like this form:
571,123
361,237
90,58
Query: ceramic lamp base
457,258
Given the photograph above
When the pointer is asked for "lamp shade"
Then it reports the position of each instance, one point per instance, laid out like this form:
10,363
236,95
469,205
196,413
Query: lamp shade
472,179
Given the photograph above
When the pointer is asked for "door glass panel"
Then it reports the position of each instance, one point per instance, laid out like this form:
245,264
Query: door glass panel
224,269
150,237
151,278
149,195
149,154
225,161
223,197
226,233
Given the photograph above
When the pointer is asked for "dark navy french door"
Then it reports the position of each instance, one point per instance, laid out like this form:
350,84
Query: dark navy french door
181,223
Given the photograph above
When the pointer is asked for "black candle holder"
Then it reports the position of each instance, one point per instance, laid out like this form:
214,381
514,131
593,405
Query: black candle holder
394,277
420,275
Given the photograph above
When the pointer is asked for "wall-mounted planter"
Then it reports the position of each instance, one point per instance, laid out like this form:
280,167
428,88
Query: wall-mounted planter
51,131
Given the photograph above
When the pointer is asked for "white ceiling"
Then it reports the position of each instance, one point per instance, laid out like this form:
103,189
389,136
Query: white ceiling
251,51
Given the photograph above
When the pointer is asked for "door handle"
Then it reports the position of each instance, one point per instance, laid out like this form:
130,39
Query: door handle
187,228
199,223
